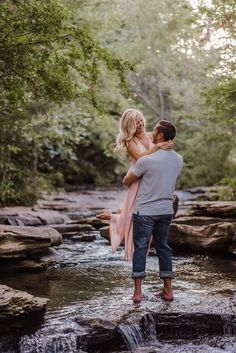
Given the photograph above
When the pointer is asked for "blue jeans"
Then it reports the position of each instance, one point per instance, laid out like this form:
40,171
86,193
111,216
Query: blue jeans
144,228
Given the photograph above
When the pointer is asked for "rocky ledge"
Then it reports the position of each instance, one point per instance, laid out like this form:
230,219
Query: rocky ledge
16,305
30,247
205,227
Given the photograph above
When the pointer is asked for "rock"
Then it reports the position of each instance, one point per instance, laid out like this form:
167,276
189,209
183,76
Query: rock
95,222
53,234
32,263
25,216
200,221
104,232
89,237
24,220
220,209
200,234
190,325
100,333
68,228
14,303
16,241
211,237
50,217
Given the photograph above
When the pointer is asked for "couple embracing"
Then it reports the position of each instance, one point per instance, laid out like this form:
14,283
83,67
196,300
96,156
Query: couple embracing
148,207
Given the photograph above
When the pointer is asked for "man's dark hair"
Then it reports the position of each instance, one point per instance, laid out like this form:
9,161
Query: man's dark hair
167,128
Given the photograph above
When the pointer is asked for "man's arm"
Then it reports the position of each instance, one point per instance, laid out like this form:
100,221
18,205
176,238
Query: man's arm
129,178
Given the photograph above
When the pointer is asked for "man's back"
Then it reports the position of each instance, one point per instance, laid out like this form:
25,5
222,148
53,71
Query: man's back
159,172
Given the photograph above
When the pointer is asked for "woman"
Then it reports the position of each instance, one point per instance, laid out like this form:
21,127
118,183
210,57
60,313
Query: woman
137,142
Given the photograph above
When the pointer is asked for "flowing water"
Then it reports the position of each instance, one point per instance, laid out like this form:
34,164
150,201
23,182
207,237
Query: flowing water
92,283
91,311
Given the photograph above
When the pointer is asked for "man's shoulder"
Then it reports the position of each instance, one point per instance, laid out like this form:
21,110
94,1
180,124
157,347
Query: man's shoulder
177,155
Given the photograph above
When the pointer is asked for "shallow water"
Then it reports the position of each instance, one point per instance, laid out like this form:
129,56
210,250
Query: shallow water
91,282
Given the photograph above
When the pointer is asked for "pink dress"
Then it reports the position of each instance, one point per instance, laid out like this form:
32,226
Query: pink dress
121,224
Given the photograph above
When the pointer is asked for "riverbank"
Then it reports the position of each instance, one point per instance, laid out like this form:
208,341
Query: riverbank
90,289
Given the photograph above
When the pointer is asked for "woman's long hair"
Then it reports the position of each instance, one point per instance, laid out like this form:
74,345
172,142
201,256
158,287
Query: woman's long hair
127,128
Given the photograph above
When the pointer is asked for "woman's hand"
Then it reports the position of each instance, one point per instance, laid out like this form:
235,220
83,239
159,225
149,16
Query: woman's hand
166,145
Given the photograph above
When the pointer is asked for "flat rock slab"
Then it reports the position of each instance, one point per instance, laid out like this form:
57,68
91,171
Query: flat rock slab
220,209
14,303
72,227
31,263
26,216
92,200
17,241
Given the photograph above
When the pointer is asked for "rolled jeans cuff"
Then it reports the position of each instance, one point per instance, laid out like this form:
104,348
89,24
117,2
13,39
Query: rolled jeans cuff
166,274
138,274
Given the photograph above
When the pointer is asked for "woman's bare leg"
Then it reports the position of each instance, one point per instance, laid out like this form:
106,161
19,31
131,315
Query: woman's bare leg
106,215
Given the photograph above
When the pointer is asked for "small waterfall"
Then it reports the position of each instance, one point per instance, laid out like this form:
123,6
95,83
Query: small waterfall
229,325
149,328
139,335
58,343
132,335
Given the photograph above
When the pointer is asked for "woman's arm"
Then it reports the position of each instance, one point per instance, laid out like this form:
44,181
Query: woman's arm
135,153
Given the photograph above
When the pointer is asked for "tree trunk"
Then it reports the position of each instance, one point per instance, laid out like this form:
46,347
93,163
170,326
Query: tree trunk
160,94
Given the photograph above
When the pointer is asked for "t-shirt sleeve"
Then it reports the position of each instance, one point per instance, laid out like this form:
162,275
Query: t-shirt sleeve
140,167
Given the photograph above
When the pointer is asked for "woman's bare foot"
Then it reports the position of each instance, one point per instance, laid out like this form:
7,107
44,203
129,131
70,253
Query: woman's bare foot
106,215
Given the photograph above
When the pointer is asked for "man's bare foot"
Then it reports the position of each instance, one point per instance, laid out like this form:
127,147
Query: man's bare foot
137,298
168,296
106,215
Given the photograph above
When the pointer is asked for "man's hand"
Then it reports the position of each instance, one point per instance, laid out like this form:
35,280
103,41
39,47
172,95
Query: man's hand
129,179
166,145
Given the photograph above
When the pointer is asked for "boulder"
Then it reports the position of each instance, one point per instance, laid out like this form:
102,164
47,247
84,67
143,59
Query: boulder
16,241
36,262
220,209
211,237
14,303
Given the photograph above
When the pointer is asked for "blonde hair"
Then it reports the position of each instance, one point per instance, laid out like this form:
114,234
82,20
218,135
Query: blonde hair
127,128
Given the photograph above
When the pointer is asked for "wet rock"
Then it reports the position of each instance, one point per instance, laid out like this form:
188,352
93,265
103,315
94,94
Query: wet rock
14,303
72,228
211,237
190,326
32,262
21,241
100,334
84,237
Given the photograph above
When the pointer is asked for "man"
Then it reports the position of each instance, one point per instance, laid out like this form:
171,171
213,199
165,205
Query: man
154,208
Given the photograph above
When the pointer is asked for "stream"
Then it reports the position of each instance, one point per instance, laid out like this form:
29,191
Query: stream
90,291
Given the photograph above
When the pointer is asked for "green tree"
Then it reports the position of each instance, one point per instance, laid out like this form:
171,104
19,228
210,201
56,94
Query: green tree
45,59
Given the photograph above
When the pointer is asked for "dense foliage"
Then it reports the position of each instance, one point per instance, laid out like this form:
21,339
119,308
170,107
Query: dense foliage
46,60
64,86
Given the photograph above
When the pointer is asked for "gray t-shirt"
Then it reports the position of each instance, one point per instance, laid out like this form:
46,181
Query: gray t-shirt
159,172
